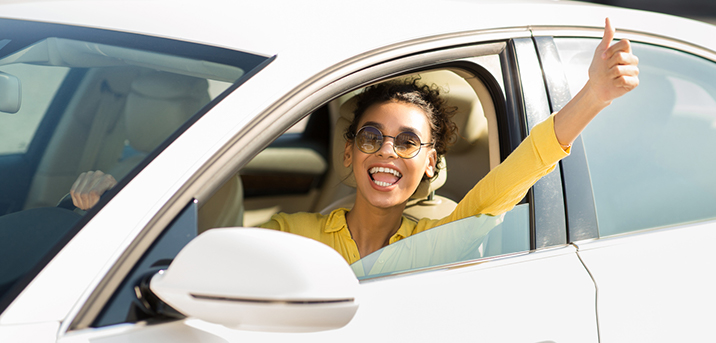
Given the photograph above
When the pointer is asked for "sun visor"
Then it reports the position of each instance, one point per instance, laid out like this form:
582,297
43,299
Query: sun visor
79,54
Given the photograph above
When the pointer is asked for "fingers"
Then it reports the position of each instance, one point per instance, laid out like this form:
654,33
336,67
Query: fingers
609,32
622,47
622,58
624,76
623,70
88,188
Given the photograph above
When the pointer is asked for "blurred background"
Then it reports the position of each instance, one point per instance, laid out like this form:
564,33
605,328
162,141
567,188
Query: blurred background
704,10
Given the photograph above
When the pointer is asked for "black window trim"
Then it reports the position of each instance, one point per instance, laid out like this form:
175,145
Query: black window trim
547,212
576,181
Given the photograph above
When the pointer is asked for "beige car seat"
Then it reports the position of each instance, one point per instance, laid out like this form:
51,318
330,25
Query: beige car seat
158,103
424,203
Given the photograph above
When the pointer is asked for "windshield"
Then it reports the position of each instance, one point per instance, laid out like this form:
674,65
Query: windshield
462,240
74,100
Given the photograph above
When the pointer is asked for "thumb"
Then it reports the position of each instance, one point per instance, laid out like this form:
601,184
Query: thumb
607,38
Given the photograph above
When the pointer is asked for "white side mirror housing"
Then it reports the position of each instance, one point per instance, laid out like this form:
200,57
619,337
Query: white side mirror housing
260,279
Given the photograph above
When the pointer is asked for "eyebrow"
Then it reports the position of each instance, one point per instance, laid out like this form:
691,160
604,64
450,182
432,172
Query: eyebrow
380,126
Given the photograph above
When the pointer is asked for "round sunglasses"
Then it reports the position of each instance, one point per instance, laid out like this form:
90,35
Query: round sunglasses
406,144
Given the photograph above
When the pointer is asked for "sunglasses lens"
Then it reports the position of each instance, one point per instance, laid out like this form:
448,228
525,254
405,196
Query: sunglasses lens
407,144
369,139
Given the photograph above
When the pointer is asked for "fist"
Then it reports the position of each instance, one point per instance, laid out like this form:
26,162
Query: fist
89,186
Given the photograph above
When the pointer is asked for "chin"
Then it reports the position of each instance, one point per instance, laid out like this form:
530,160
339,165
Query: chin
387,200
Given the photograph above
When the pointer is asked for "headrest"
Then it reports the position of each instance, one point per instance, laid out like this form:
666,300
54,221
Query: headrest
469,118
158,103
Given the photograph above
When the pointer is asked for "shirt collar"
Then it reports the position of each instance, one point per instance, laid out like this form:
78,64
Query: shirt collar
406,229
336,220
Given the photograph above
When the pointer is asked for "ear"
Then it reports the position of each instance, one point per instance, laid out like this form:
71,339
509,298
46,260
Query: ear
431,163
348,155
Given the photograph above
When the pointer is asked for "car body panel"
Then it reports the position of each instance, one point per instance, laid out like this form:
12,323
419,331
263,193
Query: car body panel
33,332
220,27
420,300
646,288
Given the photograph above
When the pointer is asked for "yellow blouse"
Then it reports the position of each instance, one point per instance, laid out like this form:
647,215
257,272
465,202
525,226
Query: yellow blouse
498,192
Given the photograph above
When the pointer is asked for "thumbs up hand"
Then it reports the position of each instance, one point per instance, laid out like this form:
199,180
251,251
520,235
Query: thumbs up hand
614,70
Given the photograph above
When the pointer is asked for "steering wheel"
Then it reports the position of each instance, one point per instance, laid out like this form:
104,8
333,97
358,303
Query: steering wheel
66,203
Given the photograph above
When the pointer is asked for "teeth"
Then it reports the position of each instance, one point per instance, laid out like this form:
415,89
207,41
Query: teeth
385,170
381,183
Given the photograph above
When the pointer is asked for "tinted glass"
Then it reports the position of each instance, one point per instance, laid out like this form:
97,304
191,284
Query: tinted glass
77,99
463,240
651,153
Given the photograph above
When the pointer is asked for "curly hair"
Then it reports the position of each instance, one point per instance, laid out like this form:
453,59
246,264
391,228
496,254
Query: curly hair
411,91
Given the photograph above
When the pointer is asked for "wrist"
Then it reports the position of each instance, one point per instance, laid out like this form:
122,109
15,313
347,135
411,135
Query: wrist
595,98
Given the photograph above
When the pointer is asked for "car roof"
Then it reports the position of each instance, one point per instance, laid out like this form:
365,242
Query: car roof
314,37
323,28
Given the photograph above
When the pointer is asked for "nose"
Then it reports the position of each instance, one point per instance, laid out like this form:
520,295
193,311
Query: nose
387,150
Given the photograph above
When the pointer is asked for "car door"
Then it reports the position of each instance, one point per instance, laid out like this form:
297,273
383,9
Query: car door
538,292
652,202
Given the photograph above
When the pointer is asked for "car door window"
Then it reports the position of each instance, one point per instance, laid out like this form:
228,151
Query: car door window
650,153
463,240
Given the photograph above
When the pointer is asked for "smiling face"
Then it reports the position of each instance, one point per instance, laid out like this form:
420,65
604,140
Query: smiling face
383,178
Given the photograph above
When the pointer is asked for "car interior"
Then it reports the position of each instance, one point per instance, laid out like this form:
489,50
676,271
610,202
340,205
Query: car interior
76,106
303,171
122,111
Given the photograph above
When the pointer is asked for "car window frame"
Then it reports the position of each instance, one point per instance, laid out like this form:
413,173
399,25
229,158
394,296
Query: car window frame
580,210
548,211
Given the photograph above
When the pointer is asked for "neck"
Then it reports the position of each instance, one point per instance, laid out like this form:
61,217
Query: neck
371,227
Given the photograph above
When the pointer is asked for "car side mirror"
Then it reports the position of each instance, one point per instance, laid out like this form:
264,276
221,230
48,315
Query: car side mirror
260,279
10,96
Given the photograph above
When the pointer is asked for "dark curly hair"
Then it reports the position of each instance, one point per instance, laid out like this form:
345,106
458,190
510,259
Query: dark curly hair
411,91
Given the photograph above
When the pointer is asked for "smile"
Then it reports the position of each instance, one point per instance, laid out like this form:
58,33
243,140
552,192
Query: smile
384,177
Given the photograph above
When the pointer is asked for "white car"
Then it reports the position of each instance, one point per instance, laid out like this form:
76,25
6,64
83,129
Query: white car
218,114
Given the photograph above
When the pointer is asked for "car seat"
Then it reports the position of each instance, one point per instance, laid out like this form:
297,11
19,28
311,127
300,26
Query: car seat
158,103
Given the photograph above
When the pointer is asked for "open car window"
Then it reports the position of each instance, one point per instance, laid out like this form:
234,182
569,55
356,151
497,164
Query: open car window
463,240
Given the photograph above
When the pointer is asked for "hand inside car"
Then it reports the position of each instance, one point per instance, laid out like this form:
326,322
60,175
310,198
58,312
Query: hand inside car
89,186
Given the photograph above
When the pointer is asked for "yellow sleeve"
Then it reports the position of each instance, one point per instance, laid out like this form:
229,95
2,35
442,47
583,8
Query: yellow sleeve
309,225
503,187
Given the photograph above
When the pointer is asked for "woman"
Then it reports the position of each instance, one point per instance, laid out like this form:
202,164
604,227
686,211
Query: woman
396,138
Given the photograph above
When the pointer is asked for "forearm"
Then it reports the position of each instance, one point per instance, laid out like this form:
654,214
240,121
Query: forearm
571,120
506,185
